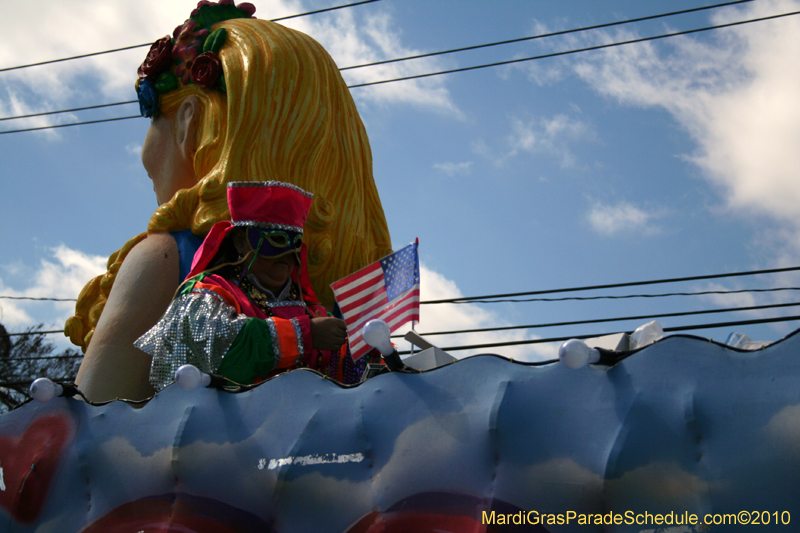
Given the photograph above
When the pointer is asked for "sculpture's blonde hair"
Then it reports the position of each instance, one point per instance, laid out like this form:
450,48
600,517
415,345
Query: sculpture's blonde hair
287,115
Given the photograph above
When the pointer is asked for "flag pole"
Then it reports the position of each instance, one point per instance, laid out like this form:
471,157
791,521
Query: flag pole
414,322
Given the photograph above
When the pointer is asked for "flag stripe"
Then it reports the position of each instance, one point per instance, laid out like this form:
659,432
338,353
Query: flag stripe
408,310
357,322
359,299
346,291
355,278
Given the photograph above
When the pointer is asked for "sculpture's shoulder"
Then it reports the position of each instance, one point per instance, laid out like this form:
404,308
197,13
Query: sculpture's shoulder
151,266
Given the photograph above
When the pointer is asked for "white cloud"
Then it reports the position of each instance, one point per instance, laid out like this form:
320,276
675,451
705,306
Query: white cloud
47,30
450,317
134,149
454,169
551,70
736,96
62,276
551,136
16,105
739,299
621,218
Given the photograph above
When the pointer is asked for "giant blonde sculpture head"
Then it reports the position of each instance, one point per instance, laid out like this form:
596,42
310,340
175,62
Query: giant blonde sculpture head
286,115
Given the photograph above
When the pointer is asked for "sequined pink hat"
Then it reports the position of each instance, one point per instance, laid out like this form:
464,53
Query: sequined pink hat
269,205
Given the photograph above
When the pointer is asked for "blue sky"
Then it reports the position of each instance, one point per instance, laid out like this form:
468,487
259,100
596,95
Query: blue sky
656,160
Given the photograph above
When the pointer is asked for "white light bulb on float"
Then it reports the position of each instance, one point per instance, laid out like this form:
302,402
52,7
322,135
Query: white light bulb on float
377,334
190,377
577,354
44,390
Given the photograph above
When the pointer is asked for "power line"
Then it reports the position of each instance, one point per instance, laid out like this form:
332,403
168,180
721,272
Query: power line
600,320
528,341
71,124
549,339
618,285
478,299
325,10
544,35
503,328
507,328
624,296
454,50
31,333
28,382
151,42
69,110
32,298
558,339
574,51
464,69
43,357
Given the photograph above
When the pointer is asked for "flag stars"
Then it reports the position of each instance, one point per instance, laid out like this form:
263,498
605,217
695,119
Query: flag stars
401,271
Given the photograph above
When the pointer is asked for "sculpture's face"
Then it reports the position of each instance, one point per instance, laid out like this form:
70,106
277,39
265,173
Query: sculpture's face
165,163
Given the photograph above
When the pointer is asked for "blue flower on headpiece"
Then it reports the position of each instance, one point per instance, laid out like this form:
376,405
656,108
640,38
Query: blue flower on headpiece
148,98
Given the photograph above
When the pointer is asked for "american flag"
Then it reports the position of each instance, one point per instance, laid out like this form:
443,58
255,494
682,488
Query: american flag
387,289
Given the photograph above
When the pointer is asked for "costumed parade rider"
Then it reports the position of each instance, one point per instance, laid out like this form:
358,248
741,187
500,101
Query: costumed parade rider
247,311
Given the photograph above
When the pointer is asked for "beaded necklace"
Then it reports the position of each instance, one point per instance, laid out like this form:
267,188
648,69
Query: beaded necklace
261,300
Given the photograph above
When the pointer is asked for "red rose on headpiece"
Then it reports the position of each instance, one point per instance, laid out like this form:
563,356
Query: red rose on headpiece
206,70
158,59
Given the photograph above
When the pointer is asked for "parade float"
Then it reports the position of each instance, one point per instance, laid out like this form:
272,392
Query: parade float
684,427
683,434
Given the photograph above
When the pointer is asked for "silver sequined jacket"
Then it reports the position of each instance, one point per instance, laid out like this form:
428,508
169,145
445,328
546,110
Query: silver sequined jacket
197,329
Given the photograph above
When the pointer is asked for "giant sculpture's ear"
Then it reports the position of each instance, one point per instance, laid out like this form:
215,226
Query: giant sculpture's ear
186,122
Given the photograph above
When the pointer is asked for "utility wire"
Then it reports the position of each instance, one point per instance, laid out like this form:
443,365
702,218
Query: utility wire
454,50
618,285
70,110
464,69
574,51
31,333
71,124
623,297
43,357
600,320
324,10
44,299
558,339
28,382
469,48
528,341
514,343
544,35
477,299
507,328
151,42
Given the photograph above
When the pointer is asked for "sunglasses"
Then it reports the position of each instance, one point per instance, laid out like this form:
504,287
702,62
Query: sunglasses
272,243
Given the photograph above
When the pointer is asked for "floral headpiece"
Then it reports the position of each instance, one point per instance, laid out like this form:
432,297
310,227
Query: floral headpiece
189,56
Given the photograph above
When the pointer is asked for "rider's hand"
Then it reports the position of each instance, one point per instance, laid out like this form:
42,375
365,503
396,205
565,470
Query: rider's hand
328,333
